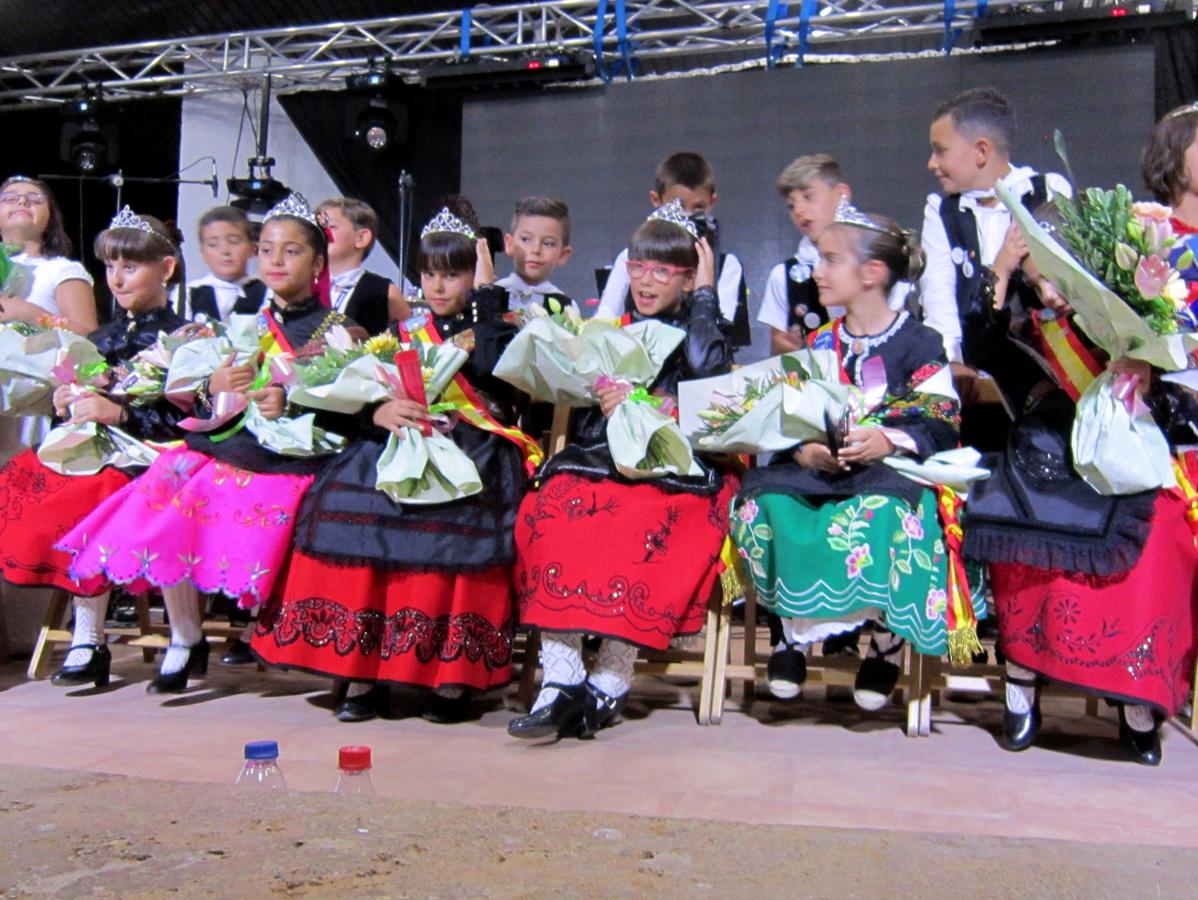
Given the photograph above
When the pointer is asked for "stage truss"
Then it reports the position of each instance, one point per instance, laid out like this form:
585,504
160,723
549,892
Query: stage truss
622,37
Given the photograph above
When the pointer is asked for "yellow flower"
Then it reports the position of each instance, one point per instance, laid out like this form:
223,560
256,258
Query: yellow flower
385,344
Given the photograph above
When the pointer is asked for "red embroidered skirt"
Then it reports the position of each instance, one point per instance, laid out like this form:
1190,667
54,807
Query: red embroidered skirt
37,508
431,629
627,561
1128,636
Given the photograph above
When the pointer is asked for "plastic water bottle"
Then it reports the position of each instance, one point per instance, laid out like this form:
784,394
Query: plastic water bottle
354,778
261,772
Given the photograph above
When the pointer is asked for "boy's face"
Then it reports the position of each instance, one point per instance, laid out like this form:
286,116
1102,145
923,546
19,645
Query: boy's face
694,201
957,161
536,247
227,250
347,244
813,206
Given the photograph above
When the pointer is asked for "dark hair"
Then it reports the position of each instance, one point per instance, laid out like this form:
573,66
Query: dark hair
982,111
230,215
314,235
895,246
1163,165
447,251
806,169
688,169
139,246
361,215
54,239
664,242
549,207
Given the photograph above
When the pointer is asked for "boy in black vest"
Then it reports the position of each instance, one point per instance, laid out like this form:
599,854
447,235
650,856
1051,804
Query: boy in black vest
227,245
369,299
974,254
538,242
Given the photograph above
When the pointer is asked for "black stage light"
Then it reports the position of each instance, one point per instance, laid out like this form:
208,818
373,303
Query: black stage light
376,127
88,143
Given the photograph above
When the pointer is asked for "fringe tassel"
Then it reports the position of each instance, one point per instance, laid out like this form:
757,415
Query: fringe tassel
963,644
732,576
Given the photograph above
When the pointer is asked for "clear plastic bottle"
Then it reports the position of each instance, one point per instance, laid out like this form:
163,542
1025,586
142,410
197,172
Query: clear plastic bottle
261,772
354,778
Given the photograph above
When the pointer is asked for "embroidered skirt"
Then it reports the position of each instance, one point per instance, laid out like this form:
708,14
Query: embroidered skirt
37,508
633,562
426,628
191,518
1127,636
834,564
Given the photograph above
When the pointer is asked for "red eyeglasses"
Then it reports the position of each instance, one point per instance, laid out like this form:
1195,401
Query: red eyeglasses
659,272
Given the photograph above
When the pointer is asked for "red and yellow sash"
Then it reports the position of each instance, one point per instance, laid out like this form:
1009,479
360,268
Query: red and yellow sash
1071,361
469,405
960,619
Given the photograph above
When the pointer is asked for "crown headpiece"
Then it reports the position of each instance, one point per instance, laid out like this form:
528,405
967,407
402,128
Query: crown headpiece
293,205
13,179
446,222
1190,110
673,213
127,218
847,214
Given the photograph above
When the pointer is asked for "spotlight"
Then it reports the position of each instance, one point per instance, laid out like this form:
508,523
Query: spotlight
258,193
376,127
87,142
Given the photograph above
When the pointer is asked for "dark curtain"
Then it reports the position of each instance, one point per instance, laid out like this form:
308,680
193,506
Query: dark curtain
428,146
1176,67
148,136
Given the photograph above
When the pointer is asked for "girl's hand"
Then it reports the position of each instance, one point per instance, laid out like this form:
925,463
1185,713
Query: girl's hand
611,396
484,269
1011,256
395,415
1137,368
705,272
91,407
819,457
14,309
865,445
230,377
64,395
272,401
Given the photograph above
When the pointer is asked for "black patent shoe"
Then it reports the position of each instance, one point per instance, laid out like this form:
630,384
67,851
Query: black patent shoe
442,710
877,676
786,671
176,682
361,708
95,670
1020,729
601,710
562,716
237,653
1144,746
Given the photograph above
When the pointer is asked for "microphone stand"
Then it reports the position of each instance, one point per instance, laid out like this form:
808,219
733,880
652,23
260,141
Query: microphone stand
119,179
405,224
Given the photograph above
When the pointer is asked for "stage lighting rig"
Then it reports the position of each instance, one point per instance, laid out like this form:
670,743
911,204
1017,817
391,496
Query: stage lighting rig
88,143
376,127
259,192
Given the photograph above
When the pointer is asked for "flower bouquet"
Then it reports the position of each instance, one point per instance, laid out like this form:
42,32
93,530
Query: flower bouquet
552,363
15,278
28,355
1111,263
768,406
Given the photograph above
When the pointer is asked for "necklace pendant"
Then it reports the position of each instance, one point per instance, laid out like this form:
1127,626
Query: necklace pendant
858,346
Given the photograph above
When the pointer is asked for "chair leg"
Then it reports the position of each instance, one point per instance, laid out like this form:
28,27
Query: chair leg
712,682
528,669
919,699
748,655
144,624
39,663
4,649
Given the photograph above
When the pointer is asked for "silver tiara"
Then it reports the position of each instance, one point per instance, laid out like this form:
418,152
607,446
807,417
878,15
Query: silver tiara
295,206
847,214
127,218
673,213
1192,109
446,222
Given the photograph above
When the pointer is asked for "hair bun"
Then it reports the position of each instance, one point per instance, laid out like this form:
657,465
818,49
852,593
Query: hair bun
913,251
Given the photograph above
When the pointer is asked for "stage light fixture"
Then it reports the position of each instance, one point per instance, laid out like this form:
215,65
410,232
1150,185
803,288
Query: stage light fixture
375,128
89,144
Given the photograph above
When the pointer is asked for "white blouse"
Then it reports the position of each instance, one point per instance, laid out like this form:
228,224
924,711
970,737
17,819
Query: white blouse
48,274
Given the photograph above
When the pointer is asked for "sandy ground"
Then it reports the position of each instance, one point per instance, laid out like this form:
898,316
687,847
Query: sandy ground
71,834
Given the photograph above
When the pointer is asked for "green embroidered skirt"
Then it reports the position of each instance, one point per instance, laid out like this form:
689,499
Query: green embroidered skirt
871,556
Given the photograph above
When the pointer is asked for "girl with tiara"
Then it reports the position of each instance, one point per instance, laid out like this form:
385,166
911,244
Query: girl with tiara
1170,170
30,219
378,592
633,562
42,505
217,514
841,539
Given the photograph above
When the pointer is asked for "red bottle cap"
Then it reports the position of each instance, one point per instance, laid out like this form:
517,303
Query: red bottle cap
354,759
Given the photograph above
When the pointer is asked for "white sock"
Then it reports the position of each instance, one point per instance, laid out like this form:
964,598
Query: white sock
183,607
613,668
89,627
561,663
1139,717
1019,698
358,688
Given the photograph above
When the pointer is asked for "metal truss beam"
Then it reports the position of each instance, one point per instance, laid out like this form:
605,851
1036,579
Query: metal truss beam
670,34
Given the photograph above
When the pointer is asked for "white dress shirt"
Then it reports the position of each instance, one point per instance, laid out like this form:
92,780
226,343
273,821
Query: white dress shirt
227,293
521,294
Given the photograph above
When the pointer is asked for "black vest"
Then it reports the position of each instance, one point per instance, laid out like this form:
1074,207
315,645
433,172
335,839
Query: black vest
802,299
367,304
203,300
984,341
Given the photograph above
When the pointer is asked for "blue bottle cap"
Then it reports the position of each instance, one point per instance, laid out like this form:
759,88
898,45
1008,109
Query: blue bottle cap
262,750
